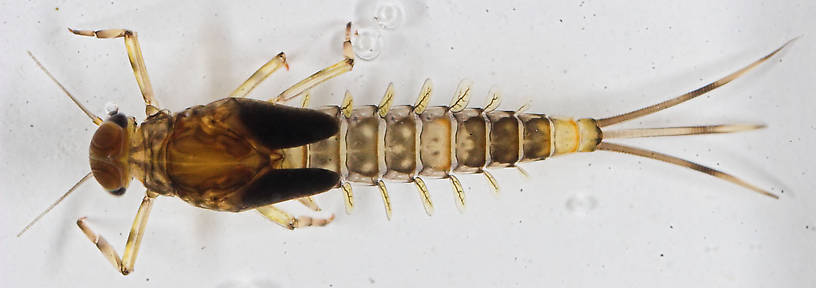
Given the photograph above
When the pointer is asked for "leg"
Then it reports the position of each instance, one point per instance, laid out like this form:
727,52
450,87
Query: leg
287,221
307,97
124,264
309,203
136,61
321,76
260,75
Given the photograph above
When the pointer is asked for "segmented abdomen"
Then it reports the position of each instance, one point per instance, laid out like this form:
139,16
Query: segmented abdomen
408,143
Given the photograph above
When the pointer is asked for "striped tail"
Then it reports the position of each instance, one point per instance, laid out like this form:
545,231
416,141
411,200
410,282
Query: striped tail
596,129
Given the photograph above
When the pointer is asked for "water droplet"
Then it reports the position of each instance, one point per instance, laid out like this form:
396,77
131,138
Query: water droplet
388,14
367,43
580,204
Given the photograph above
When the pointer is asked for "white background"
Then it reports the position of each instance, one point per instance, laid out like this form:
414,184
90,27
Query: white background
651,224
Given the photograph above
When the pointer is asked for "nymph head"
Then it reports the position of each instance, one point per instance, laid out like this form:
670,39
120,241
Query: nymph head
109,152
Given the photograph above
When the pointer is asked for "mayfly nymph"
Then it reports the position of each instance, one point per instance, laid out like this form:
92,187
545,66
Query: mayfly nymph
238,154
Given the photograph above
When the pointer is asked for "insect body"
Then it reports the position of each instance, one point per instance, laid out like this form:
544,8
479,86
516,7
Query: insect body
237,154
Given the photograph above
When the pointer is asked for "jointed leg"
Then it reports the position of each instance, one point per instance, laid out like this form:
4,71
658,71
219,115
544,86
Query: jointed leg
124,264
136,61
309,203
321,76
287,221
307,98
261,74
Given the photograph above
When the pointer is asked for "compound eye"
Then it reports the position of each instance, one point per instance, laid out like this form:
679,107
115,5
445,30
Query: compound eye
109,175
107,150
107,141
119,119
118,192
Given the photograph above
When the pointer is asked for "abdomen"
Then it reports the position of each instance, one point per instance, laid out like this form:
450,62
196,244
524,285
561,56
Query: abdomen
404,145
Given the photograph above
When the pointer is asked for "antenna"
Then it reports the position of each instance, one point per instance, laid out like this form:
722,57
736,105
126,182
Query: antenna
93,117
56,202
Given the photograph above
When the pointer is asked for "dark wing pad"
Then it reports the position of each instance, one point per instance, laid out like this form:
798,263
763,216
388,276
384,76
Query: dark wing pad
278,126
278,185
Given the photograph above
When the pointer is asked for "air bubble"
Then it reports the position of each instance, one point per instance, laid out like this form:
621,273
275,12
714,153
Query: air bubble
367,43
388,14
111,108
580,204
